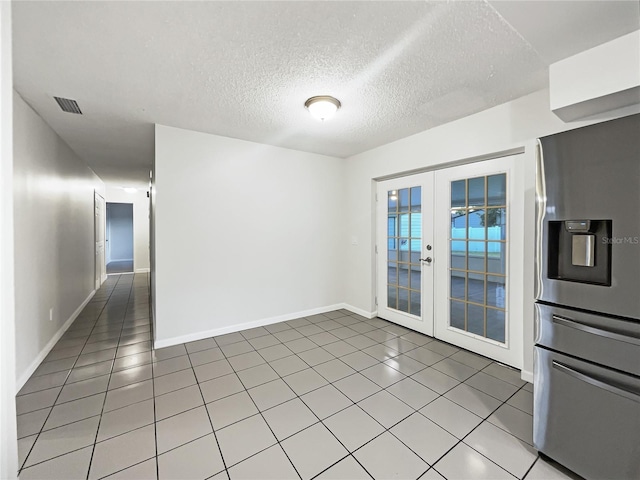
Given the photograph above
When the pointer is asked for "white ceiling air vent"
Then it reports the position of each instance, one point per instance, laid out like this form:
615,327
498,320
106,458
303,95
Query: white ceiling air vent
68,105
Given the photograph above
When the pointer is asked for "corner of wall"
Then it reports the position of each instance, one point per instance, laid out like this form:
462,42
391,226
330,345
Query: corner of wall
192,337
8,436
152,234
360,311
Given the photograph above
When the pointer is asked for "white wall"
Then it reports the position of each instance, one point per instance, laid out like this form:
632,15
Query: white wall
140,222
8,436
514,124
244,233
54,236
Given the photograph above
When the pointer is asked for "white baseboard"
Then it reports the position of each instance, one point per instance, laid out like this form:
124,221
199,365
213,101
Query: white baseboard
143,270
527,376
192,337
359,311
50,344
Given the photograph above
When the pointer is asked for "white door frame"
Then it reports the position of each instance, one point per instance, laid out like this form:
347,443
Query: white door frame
99,237
107,235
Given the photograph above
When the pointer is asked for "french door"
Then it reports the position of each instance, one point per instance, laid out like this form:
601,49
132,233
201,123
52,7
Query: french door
446,267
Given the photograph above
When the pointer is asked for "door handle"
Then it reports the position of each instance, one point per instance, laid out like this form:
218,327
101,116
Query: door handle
567,322
428,259
596,382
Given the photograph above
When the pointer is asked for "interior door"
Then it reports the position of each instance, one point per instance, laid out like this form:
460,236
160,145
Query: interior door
480,228
405,251
99,228
107,235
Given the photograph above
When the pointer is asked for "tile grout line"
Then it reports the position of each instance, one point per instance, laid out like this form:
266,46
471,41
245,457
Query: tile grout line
95,440
155,414
538,458
299,397
235,372
475,428
90,378
267,362
356,371
77,421
204,405
260,412
26,458
385,389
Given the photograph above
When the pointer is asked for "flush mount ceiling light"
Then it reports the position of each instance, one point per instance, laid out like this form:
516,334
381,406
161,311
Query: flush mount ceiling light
322,107
130,189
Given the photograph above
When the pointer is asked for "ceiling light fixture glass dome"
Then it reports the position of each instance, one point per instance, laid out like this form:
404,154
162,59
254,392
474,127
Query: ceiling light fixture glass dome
322,107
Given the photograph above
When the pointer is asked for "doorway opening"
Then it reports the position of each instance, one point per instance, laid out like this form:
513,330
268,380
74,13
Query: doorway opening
99,227
119,238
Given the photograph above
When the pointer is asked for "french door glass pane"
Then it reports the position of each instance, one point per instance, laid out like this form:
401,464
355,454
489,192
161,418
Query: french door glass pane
495,324
497,260
404,199
403,300
458,223
496,290
392,297
478,245
392,273
457,315
496,190
458,286
458,197
404,225
475,319
475,188
403,275
475,287
404,239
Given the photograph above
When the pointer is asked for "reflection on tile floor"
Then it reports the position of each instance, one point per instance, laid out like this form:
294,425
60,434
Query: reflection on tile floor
327,396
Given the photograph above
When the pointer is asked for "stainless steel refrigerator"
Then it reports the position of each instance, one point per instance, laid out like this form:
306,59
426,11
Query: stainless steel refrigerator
587,313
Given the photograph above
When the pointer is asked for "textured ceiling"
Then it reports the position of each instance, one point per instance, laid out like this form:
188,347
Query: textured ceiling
244,69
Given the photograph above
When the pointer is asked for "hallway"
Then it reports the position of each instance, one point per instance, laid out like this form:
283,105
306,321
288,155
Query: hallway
329,396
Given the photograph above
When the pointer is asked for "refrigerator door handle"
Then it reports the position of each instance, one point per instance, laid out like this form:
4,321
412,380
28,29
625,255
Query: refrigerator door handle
595,382
567,322
541,211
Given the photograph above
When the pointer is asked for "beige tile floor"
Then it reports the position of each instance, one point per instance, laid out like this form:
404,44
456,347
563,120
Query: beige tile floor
332,396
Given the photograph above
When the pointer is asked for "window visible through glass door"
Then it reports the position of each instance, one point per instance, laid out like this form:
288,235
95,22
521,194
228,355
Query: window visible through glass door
404,244
478,248
404,236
